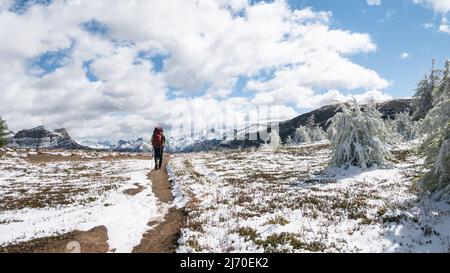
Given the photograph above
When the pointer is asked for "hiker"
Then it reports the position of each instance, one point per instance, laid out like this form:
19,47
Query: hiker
158,142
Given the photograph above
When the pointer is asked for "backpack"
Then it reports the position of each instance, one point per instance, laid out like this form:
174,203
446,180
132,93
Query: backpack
157,139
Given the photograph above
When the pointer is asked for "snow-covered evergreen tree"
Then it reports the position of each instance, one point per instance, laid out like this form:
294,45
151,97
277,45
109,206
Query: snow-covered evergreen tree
317,134
423,98
3,133
393,136
331,132
404,126
275,140
311,121
301,135
288,140
308,134
359,138
436,146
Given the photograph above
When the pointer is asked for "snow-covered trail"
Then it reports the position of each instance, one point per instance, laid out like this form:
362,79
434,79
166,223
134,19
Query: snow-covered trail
163,237
89,194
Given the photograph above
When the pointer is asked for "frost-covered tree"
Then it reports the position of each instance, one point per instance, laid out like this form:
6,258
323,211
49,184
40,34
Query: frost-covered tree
288,141
404,126
301,135
394,136
436,146
423,98
331,132
311,121
359,138
3,133
317,134
309,133
275,140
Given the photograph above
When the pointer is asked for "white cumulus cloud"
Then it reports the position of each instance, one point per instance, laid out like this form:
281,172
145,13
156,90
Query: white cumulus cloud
208,46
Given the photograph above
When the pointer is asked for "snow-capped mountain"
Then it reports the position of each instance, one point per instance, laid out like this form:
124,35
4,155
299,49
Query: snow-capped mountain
42,137
181,144
102,145
134,146
196,143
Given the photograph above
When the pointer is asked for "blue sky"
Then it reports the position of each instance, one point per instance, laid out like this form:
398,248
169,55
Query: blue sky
403,32
397,27
114,71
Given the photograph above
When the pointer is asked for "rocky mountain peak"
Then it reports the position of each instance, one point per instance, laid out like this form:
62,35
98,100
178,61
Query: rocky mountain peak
41,137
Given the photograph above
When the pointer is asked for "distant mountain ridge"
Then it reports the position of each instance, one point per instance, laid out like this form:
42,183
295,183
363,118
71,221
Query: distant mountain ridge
101,145
59,138
135,146
173,145
130,146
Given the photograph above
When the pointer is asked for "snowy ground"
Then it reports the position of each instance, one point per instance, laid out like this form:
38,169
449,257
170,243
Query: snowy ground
285,200
53,198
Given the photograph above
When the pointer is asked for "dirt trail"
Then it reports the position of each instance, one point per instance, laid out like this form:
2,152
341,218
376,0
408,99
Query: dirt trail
163,237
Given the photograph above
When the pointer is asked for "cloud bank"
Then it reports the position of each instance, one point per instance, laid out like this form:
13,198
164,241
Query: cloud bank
114,71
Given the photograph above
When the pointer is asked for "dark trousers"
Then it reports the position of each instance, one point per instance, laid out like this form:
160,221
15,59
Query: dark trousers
158,154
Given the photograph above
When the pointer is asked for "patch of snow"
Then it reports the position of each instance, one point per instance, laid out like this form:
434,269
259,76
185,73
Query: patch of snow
180,199
287,200
125,217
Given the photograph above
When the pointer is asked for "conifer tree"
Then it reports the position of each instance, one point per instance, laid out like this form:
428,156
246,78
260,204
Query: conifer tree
275,139
423,98
311,121
3,133
317,134
288,140
404,126
301,135
359,137
436,146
